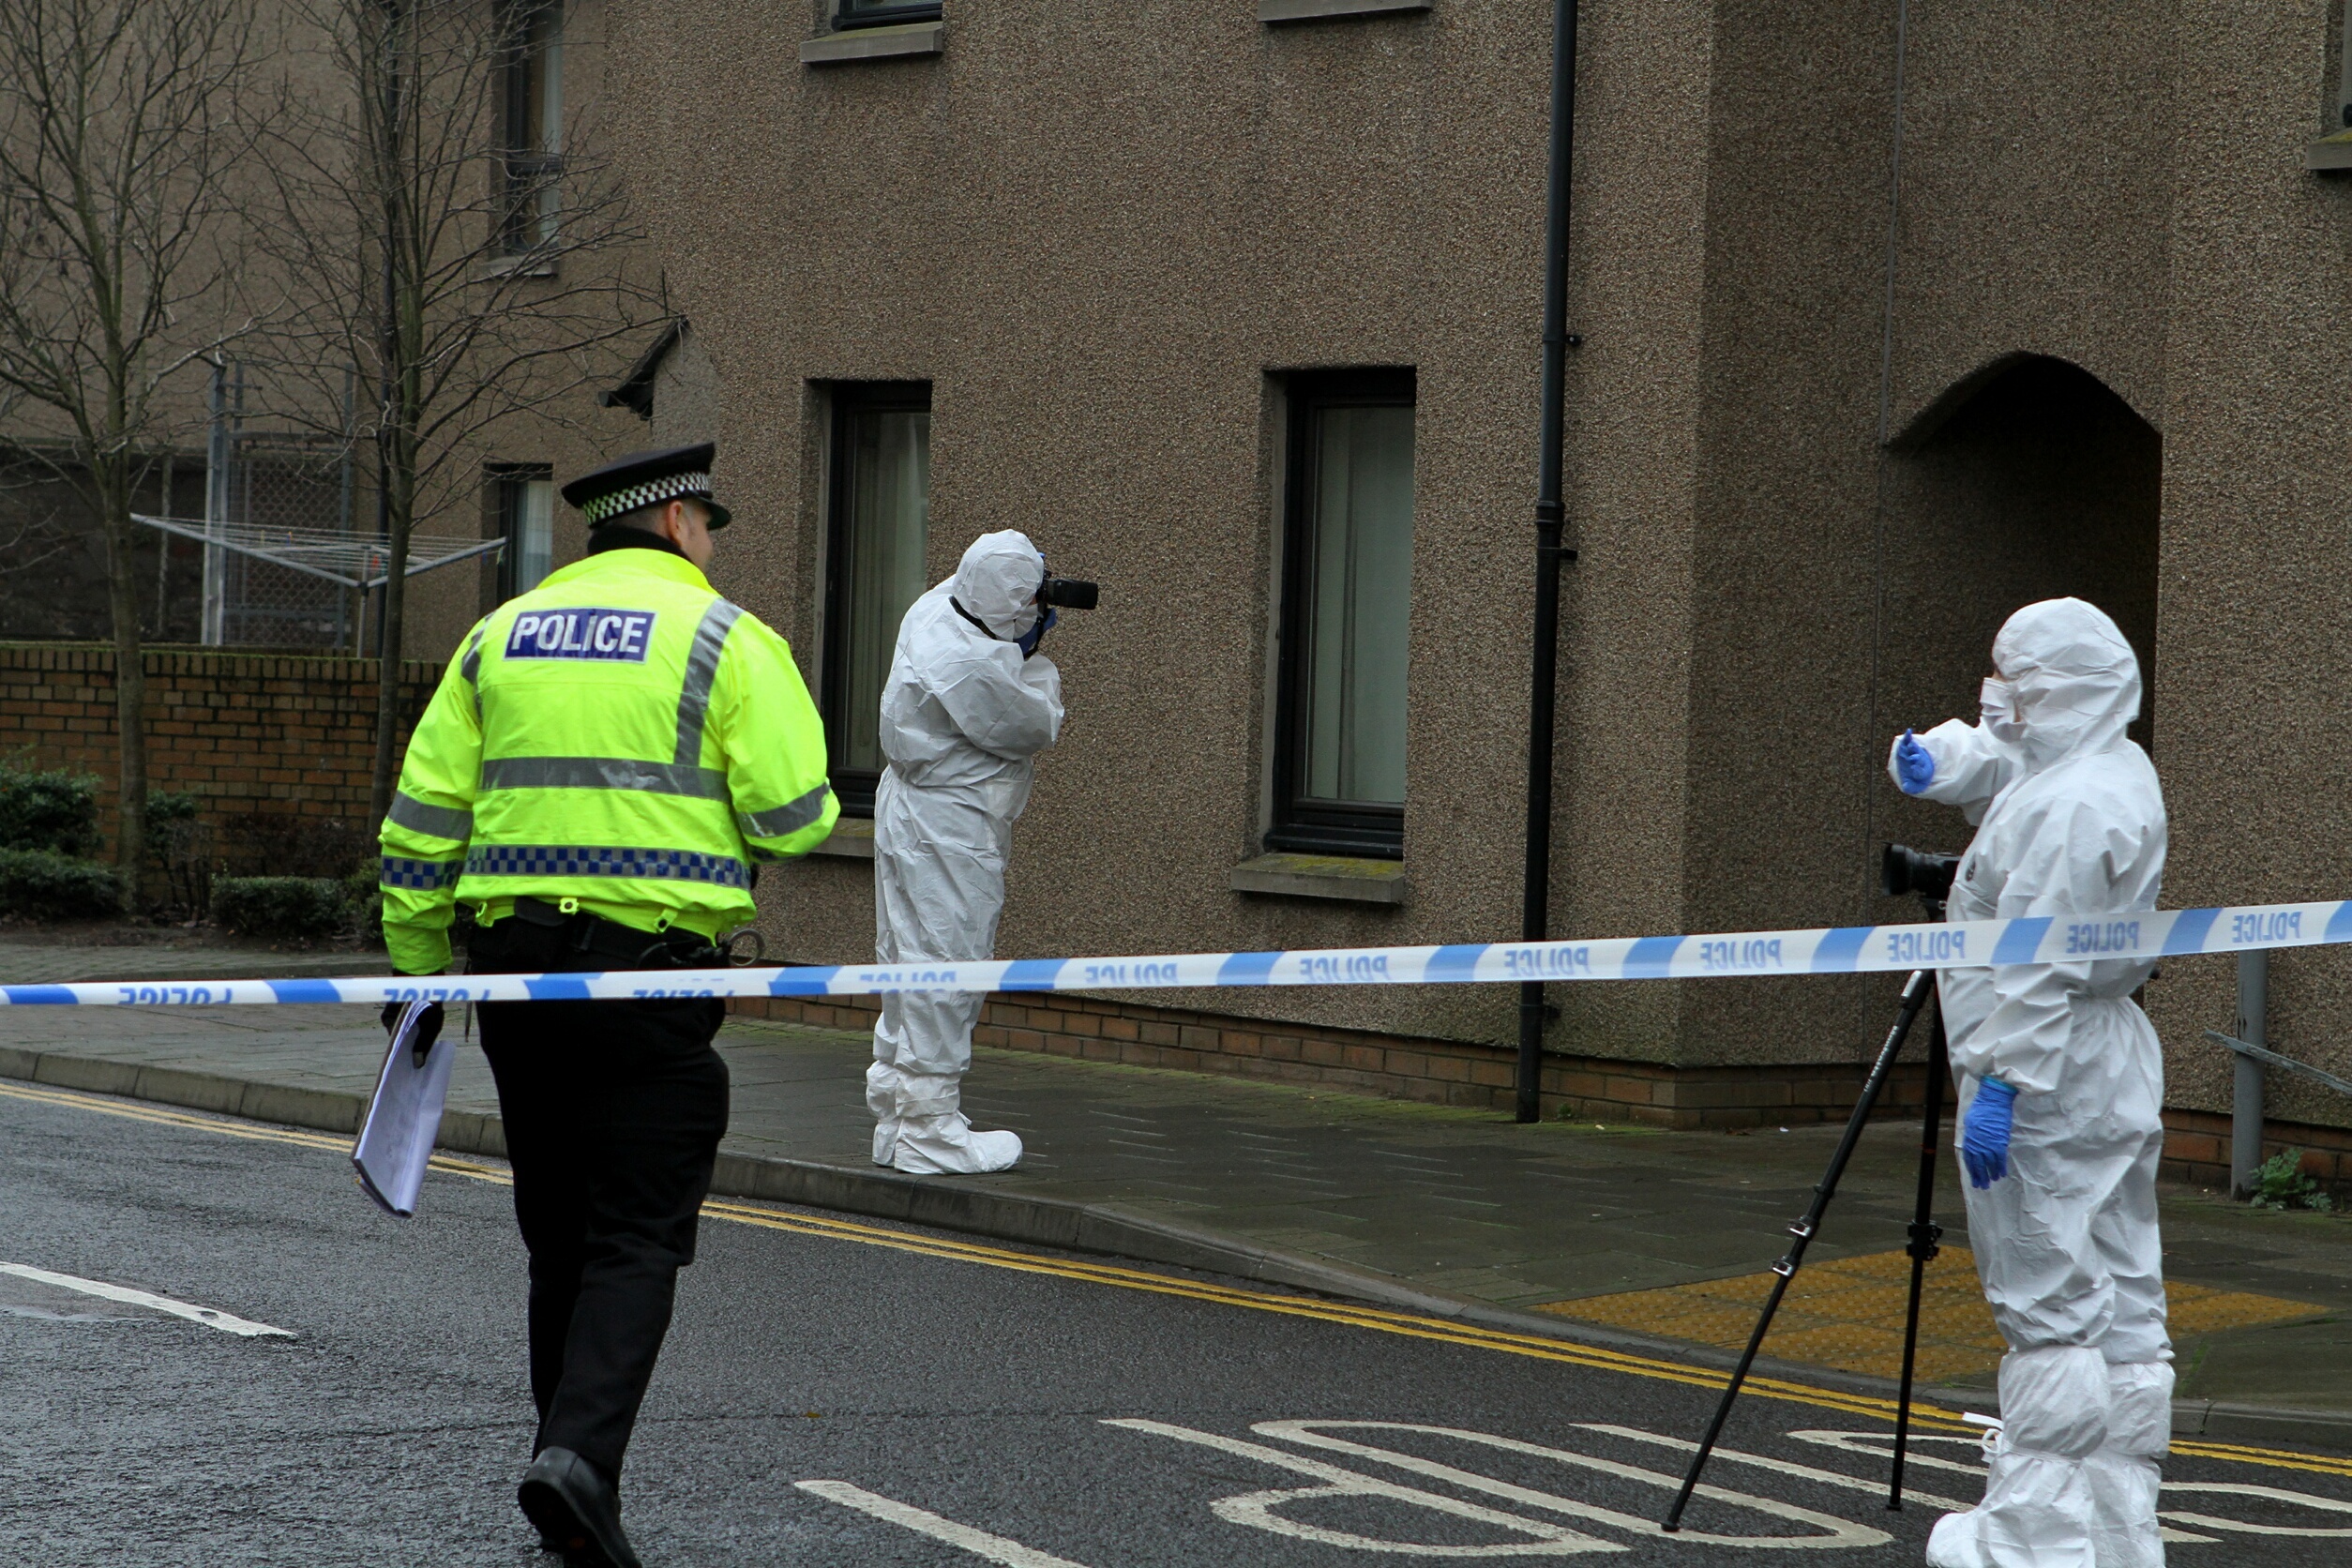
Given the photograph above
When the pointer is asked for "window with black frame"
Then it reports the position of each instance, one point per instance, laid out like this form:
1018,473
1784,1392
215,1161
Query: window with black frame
526,499
1347,594
879,524
882,13
531,114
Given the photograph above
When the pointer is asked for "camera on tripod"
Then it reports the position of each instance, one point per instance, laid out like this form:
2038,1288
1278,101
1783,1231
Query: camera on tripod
1069,593
1903,870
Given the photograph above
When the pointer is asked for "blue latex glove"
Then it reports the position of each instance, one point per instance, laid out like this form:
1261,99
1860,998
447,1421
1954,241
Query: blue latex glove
1029,640
1914,764
1984,1133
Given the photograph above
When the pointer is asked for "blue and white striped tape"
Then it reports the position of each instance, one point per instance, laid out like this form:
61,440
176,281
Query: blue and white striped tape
1839,950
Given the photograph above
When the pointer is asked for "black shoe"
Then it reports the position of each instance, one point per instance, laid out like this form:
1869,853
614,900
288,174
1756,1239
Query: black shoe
576,1510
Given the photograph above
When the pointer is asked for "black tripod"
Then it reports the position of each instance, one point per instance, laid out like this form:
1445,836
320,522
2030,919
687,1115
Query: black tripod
1930,877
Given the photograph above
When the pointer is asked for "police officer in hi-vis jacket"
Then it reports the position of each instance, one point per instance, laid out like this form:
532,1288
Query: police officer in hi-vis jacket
605,763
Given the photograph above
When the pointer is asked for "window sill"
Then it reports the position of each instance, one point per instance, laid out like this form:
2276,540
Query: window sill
875,43
517,266
853,839
1317,10
1322,875
2329,153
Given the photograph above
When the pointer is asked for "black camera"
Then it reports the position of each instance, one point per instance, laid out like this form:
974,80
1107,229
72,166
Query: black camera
1904,869
1069,593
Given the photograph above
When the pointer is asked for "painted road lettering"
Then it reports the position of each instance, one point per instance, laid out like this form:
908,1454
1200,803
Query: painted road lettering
1516,1510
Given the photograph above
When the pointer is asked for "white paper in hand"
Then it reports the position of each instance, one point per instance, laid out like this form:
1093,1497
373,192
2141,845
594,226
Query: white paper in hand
397,1138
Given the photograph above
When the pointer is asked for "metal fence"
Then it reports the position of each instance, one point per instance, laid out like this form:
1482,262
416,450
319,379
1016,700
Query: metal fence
269,480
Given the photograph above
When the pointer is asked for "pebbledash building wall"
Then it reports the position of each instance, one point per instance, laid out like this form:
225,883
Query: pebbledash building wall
1876,344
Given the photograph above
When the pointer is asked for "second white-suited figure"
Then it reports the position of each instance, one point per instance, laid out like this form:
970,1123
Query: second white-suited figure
2061,1083
969,704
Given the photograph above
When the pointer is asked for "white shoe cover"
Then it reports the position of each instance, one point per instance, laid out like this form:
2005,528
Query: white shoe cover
881,1099
2037,1512
1952,1543
2123,1473
2124,1532
947,1146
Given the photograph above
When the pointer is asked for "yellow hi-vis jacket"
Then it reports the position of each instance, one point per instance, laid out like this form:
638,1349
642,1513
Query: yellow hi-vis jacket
619,739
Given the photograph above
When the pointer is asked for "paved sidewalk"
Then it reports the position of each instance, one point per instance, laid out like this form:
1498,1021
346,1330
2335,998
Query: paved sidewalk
1654,1232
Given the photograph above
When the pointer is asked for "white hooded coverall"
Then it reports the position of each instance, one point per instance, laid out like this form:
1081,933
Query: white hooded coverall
2072,825
963,713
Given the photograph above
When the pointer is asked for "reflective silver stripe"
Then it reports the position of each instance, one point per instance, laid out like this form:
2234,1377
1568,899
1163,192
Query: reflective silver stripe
791,817
471,668
701,670
441,821
602,772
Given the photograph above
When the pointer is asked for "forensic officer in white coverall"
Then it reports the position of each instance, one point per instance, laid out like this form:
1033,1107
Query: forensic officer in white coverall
969,702
2061,1081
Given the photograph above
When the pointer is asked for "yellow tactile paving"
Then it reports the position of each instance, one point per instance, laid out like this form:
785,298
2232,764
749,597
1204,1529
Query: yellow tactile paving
1847,1313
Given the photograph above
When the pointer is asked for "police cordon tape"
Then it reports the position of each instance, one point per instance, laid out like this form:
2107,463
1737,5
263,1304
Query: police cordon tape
1837,950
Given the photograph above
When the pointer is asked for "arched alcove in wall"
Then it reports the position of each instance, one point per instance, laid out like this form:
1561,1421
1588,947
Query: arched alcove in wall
2028,480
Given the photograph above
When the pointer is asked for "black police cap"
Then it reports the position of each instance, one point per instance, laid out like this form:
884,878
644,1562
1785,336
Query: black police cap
648,479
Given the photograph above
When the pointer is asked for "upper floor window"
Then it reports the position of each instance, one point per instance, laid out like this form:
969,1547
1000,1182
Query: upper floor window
878,530
881,13
526,499
1346,596
530,112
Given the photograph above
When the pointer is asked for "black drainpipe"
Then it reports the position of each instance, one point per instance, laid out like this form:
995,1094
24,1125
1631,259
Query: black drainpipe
1551,518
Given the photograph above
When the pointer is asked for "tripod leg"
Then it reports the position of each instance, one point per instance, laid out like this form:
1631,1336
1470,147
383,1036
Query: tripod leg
1925,1233
1914,996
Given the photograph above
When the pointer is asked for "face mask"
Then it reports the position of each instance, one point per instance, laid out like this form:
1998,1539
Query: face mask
1998,701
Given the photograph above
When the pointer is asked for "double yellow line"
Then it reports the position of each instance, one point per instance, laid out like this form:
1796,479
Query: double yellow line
1379,1320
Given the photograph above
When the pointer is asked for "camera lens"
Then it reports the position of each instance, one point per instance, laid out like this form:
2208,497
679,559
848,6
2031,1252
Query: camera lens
1069,593
1902,870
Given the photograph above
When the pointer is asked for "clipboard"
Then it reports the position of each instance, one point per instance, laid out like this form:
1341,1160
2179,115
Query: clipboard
396,1136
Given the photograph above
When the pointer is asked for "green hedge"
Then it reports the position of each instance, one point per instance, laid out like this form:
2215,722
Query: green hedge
280,906
47,886
55,811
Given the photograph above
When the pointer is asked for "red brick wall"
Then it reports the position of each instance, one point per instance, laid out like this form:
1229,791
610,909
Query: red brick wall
2198,1144
279,737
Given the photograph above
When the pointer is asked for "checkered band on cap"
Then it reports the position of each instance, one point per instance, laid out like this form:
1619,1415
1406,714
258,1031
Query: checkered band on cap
652,492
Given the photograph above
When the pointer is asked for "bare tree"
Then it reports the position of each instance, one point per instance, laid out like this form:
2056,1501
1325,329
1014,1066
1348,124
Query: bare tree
468,261
120,143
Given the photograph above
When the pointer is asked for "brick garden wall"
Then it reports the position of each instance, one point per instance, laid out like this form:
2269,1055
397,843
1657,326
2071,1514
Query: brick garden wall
280,746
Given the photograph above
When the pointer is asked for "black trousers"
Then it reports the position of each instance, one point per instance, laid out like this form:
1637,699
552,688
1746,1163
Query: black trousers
613,1112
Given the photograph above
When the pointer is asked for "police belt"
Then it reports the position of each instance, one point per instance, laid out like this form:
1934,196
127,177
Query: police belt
584,932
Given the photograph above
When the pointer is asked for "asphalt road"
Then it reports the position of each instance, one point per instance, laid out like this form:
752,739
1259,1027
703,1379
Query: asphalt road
836,1394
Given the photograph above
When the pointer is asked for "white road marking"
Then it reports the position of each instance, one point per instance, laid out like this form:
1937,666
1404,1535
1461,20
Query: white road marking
2247,1527
1866,1443
1826,1478
1836,1533
124,1293
996,1548
1257,1509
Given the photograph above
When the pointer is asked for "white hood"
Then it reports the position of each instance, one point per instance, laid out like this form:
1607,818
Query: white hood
2076,680
998,581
